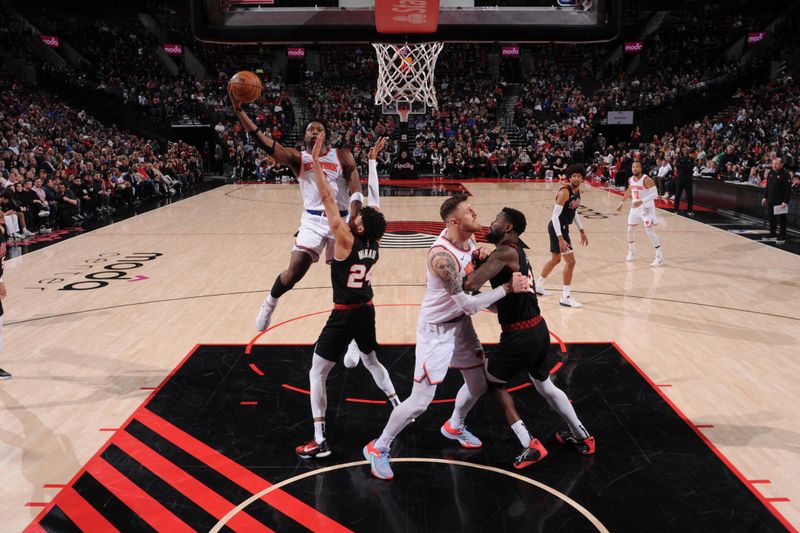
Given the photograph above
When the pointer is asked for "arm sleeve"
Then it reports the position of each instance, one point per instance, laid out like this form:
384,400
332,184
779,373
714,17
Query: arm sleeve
557,209
472,304
648,195
372,184
578,222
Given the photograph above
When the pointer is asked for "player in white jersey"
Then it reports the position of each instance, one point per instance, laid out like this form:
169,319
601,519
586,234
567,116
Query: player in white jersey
642,189
314,235
445,336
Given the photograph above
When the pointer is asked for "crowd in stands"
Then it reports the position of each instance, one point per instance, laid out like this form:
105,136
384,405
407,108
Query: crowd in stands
59,166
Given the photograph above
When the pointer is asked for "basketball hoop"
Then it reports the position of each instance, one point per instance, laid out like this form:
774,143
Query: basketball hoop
406,74
403,110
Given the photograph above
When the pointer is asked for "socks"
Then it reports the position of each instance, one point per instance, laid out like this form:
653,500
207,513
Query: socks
540,282
566,292
394,400
319,432
522,433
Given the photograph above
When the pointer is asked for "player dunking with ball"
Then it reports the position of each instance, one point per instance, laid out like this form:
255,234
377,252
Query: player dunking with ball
355,253
565,211
445,335
643,208
314,235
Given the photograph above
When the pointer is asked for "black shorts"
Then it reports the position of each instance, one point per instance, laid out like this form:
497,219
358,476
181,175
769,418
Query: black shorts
554,246
526,350
344,326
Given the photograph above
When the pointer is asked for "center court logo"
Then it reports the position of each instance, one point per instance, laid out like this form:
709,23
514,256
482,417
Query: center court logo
98,272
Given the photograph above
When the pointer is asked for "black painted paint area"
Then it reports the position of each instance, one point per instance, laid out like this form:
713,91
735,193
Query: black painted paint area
652,472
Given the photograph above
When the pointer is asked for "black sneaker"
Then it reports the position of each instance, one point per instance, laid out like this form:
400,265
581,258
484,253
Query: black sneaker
534,453
313,450
4,374
583,447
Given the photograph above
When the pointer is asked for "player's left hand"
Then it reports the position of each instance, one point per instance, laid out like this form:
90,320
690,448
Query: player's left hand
584,238
318,146
375,150
480,254
519,283
637,203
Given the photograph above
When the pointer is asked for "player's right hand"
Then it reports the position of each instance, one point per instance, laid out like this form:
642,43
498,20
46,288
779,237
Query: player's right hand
375,150
563,245
637,203
619,206
237,106
519,283
480,254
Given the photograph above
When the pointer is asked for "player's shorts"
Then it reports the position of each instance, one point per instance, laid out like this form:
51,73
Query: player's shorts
645,214
555,248
522,350
443,346
343,326
314,236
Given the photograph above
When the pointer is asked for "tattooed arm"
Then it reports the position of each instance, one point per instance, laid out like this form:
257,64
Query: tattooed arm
442,264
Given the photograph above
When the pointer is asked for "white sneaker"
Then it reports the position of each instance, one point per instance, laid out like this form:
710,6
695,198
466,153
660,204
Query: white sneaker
353,355
570,302
28,233
19,236
659,261
265,313
540,290
631,254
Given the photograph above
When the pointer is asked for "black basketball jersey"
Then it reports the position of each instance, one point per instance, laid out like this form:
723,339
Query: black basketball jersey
351,278
516,306
573,202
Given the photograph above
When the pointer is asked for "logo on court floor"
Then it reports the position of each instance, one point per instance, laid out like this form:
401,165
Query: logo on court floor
98,272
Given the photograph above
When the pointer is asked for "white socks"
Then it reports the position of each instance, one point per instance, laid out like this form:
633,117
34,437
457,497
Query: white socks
319,432
522,433
566,292
540,282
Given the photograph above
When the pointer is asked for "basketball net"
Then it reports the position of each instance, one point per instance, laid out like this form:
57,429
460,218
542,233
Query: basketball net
406,74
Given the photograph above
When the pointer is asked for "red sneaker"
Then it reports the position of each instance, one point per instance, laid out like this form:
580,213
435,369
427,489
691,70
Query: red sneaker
584,447
313,450
534,453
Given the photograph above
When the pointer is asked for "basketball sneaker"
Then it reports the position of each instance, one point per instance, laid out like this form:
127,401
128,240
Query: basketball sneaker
463,436
378,461
657,262
584,447
353,355
630,256
4,374
265,313
540,290
534,453
570,302
313,450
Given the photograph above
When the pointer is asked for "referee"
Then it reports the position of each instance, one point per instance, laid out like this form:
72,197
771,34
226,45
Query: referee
684,167
777,194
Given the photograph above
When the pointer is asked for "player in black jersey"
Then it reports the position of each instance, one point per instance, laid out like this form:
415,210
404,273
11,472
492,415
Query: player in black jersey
353,316
565,212
524,341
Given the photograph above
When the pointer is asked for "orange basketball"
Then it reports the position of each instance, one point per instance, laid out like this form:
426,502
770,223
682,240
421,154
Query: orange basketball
245,86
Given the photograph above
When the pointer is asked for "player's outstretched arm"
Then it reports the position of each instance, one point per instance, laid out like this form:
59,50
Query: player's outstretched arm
287,156
501,257
443,265
341,231
350,172
373,195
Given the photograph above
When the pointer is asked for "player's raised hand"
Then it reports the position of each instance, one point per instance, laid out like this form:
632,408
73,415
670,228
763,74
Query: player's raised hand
318,146
376,149
237,105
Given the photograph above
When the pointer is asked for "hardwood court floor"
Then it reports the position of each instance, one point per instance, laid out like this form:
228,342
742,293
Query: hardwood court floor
718,326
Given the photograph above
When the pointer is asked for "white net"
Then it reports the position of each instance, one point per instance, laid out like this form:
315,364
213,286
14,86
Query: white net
406,72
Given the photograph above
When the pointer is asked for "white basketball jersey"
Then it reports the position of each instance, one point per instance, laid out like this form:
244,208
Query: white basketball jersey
437,305
333,170
637,188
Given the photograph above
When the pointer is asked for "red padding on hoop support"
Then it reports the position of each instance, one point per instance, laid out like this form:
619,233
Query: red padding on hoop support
406,16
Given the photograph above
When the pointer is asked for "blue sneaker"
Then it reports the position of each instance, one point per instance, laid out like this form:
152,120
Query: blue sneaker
463,436
378,461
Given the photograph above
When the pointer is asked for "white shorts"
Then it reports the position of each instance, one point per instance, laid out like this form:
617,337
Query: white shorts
645,214
443,346
314,236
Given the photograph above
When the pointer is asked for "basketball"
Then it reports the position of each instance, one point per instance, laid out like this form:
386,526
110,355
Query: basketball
245,86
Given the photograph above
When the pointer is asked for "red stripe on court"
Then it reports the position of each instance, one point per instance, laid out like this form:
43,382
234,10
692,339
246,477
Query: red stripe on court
83,515
703,426
255,369
108,429
518,387
664,385
248,403
557,367
145,506
299,511
778,500
759,481
54,486
37,504
180,480
361,400
147,388
446,400
708,443
560,342
34,528
296,389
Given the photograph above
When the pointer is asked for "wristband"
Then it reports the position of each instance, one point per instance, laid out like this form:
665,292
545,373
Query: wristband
357,197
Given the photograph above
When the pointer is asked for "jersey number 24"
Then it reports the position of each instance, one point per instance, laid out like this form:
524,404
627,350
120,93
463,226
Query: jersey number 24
358,275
